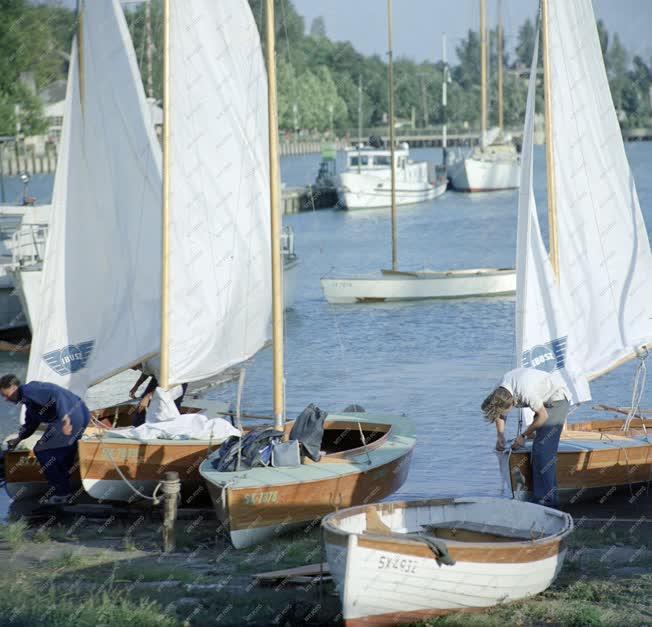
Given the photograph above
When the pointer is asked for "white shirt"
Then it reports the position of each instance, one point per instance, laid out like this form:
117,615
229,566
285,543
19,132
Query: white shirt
532,388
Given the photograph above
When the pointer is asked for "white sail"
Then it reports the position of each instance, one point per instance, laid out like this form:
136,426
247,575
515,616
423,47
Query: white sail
219,294
604,252
542,328
101,278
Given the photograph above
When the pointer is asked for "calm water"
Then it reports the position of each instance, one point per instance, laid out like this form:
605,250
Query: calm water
433,361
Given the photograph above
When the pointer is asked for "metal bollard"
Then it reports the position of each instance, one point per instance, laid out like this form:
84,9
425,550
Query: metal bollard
171,488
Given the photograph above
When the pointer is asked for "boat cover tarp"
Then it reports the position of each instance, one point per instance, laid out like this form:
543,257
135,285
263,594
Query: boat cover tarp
185,427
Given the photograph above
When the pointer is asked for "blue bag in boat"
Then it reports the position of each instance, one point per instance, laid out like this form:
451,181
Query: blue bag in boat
254,448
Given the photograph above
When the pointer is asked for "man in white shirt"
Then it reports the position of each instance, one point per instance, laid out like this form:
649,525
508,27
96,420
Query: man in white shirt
547,396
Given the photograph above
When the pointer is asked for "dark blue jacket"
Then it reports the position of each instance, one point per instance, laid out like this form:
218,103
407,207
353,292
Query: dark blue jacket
49,403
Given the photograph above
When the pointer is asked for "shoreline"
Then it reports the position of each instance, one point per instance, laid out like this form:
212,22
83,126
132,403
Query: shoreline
101,567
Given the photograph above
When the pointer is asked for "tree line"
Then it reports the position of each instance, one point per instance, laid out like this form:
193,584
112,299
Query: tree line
318,79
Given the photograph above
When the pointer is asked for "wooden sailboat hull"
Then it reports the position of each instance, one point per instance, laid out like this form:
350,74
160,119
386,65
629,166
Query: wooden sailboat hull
384,578
420,285
23,476
143,464
595,458
258,504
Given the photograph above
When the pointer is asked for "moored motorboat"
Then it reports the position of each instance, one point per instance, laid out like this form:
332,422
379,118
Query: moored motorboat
366,182
391,561
365,457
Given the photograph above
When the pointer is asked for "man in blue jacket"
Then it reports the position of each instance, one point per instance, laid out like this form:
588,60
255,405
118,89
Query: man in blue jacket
66,417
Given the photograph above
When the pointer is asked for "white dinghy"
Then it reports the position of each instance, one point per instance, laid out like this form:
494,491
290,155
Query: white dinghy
400,562
396,284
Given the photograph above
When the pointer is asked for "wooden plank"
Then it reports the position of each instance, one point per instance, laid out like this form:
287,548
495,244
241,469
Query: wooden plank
309,570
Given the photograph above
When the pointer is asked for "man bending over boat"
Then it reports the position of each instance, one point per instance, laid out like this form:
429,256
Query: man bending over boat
547,397
66,417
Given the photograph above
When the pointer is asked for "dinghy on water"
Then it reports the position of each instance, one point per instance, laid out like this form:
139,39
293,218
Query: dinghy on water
396,284
584,308
402,562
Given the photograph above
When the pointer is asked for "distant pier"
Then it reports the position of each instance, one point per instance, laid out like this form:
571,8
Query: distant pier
12,165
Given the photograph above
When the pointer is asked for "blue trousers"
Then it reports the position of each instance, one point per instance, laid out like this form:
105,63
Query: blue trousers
56,464
56,451
544,455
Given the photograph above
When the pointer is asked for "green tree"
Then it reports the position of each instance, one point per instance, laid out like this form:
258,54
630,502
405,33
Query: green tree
525,43
318,28
34,40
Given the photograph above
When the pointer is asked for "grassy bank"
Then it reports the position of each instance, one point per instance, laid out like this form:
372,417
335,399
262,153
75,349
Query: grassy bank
108,572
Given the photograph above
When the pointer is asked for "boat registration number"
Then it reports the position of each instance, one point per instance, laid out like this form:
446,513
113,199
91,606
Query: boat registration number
391,562
260,498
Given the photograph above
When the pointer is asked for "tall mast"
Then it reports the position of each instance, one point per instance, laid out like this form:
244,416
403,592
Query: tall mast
390,73
444,102
165,219
499,52
80,61
359,110
148,42
483,75
550,155
274,177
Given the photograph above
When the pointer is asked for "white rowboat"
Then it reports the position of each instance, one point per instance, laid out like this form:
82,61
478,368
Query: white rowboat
504,550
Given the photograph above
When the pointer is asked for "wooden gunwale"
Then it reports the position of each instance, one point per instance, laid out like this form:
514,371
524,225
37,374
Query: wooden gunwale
518,551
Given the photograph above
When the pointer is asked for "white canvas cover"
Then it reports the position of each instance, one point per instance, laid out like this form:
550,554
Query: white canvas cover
185,427
542,326
101,277
605,260
219,290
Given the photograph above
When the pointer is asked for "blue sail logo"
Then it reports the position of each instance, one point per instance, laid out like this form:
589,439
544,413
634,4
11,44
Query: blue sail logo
549,356
69,359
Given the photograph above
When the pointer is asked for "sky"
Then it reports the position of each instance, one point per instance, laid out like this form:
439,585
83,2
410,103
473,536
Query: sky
418,24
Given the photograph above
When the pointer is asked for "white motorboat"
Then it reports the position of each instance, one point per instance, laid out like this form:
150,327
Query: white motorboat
391,562
366,182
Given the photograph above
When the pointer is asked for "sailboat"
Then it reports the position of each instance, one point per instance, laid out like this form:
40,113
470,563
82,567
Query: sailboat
102,287
583,309
363,456
215,296
101,265
397,284
495,164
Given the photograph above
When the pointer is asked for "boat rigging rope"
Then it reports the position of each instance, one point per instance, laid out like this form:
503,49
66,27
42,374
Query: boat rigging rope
638,387
155,499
